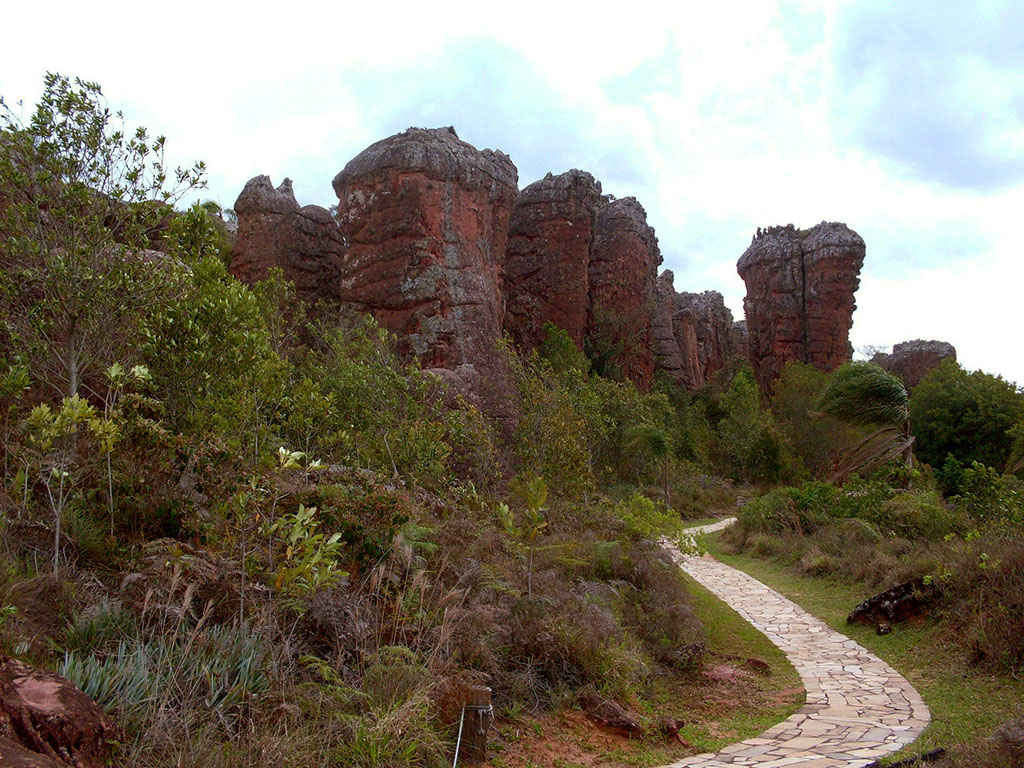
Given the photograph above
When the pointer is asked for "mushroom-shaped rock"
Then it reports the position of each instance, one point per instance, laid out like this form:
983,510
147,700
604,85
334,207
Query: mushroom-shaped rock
800,296
912,360
426,217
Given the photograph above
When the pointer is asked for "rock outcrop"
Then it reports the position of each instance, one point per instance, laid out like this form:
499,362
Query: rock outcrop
46,721
667,354
800,296
911,360
274,231
426,219
547,263
693,333
624,259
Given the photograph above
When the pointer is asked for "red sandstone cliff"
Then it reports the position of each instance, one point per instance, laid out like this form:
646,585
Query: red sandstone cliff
911,360
273,231
624,259
547,262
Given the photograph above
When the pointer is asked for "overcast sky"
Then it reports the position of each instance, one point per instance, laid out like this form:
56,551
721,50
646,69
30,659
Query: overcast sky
903,119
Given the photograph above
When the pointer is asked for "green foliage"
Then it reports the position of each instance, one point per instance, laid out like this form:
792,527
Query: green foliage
643,518
208,347
82,198
864,395
749,445
220,671
815,437
310,560
969,415
815,505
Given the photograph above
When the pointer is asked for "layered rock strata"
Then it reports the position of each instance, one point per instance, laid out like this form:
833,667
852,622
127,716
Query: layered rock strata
800,296
426,218
547,263
694,334
623,271
303,241
912,360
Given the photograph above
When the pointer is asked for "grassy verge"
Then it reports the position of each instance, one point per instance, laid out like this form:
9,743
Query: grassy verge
966,704
724,704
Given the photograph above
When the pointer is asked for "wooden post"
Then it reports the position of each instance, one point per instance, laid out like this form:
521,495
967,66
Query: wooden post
477,722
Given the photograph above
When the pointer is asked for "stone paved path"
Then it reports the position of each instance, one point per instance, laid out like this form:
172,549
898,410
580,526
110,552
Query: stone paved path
858,707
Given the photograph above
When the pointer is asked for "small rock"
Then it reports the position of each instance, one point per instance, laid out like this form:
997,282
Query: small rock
609,715
883,628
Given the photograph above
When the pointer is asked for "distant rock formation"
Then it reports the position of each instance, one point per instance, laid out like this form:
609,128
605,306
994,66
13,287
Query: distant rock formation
911,360
800,296
547,262
694,333
624,259
274,231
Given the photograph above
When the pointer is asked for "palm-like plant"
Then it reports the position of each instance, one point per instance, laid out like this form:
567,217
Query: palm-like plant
864,395
658,444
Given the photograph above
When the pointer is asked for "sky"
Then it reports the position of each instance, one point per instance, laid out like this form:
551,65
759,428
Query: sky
905,120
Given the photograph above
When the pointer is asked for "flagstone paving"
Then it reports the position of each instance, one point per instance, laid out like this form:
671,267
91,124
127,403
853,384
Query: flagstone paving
858,708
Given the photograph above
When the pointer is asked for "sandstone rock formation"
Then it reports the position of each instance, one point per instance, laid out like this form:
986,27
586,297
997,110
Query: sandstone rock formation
46,721
547,262
624,259
667,354
911,360
426,219
274,231
800,296
694,334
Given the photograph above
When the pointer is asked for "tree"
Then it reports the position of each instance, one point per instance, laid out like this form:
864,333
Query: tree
815,437
81,201
863,395
970,415
656,442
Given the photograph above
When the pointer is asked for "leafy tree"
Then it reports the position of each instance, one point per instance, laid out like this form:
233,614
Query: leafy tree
864,395
747,439
970,415
81,201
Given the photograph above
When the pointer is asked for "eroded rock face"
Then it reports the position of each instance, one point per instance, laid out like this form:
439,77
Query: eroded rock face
624,259
666,346
911,360
426,218
46,721
547,262
693,333
274,231
800,296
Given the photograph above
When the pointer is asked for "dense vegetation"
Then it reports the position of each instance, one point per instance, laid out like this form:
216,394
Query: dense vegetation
257,534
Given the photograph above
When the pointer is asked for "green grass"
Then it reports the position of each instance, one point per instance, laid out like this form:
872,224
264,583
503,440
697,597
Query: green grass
966,704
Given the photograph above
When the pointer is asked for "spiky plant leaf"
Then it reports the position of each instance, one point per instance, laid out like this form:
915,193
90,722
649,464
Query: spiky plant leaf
863,394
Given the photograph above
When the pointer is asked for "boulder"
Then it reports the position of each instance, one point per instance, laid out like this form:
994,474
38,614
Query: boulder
46,721
911,360
800,296
904,601
624,259
274,231
426,219
610,716
548,257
